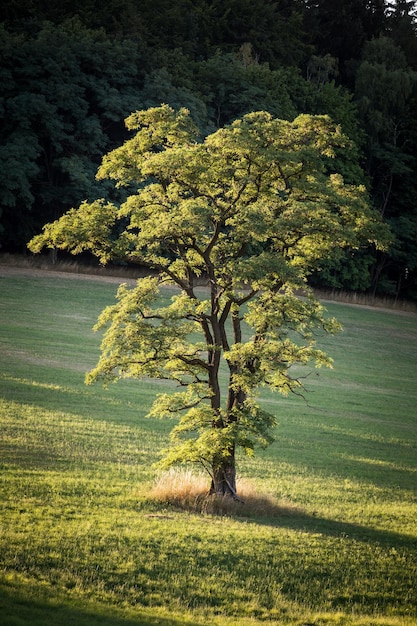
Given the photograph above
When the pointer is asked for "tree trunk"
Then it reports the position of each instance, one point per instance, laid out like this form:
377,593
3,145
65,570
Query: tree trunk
224,479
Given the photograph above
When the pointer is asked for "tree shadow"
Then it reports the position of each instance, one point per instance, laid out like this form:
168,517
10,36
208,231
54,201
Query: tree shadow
300,520
20,609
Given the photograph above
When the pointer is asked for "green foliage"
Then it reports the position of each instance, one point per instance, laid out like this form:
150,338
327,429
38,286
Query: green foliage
344,269
384,84
65,90
235,84
341,27
385,89
250,210
88,228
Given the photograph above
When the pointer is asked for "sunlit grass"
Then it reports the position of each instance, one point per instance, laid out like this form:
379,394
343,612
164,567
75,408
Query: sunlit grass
88,535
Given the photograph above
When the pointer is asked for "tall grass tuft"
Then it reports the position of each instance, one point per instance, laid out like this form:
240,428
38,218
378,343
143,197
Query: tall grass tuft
188,490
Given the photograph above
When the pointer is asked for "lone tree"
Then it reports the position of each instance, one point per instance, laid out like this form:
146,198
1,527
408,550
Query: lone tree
236,222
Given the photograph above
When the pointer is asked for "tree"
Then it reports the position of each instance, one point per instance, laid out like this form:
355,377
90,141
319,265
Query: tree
236,222
65,90
385,92
402,28
235,84
341,28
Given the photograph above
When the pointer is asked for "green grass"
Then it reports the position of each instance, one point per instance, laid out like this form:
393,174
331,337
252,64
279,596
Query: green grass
81,541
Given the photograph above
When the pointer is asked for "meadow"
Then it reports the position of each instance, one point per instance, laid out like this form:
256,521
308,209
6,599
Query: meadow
84,540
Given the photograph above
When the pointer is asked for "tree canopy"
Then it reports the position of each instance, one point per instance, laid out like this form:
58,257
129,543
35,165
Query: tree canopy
236,221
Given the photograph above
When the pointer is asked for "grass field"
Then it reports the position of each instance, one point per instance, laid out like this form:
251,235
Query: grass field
83,543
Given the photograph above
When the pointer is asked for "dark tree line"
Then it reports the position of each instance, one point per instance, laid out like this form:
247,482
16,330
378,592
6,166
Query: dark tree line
70,73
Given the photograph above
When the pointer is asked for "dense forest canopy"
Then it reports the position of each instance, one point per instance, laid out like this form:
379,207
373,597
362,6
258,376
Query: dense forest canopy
72,71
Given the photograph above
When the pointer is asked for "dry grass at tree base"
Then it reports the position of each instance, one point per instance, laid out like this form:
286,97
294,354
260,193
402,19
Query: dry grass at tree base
188,490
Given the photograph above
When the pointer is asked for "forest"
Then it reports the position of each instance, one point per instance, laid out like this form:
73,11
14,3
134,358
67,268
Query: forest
71,72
